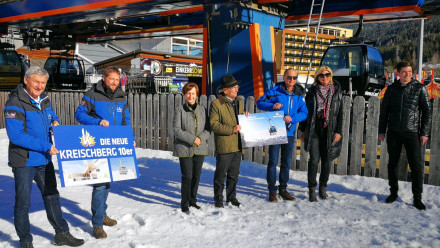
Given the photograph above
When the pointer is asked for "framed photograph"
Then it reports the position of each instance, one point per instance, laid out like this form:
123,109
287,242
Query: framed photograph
260,129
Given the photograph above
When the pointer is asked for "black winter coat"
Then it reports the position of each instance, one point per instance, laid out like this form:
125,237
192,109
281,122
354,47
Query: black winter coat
406,109
335,120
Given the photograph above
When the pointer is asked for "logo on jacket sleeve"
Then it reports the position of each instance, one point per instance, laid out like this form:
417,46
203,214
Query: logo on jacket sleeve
119,109
87,140
10,115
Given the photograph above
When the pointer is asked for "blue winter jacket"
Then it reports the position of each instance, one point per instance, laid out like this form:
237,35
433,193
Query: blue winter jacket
293,104
97,105
28,129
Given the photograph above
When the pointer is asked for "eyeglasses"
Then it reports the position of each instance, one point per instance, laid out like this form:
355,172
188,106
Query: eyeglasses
324,75
292,77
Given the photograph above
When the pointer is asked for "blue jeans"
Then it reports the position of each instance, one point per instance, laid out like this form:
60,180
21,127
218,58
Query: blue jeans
44,177
286,157
99,203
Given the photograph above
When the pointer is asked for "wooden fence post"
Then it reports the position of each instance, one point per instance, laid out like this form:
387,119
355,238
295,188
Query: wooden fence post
170,122
136,119
163,122
383,166
372,128
156,116
341,168
149,121
357,132
303,156
76,101
143,124
434,162
130,108
3,99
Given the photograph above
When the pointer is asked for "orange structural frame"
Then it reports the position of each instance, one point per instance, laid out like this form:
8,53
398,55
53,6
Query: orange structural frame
257,66
181,11
161,57
85,7
272,41
360,12
205,62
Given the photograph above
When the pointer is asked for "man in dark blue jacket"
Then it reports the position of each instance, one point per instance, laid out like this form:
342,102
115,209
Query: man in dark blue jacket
289,97
106,105
29,118
405,117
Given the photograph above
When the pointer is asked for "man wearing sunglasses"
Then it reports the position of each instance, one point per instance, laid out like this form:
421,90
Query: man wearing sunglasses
289,97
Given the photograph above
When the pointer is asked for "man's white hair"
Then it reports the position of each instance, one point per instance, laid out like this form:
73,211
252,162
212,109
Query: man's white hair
38,70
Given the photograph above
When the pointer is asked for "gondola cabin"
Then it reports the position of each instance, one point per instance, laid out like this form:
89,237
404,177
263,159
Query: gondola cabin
65,72
361,63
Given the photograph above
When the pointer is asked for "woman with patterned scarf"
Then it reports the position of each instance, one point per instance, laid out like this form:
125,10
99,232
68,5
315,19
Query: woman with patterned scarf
322,130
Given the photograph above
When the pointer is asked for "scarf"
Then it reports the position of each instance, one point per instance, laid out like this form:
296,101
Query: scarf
324,95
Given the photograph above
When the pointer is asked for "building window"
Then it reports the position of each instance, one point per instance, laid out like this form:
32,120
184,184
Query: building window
185,46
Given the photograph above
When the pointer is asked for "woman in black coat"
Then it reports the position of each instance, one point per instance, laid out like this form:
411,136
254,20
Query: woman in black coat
322,130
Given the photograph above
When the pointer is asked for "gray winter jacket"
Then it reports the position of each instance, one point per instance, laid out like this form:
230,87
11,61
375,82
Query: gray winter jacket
188,124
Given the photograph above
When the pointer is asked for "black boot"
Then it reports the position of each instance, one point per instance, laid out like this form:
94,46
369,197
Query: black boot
392,198
67,239
312,194
323,192
185,209
419,204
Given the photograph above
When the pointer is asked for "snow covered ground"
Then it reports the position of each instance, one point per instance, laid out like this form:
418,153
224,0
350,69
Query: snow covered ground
148,211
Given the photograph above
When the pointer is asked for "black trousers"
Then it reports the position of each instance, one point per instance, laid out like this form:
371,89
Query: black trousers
227,166
191,168
318,150
413,148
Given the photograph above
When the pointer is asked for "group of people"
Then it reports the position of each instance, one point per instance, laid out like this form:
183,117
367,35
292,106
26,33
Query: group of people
405,118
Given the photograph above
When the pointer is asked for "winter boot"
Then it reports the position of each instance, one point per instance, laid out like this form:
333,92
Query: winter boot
67,239
391,198
419,204
286,196
312,194
323,192
273,197
26,245
99,233
109,222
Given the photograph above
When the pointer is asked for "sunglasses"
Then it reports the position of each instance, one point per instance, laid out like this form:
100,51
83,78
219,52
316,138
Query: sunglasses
324,75
292,77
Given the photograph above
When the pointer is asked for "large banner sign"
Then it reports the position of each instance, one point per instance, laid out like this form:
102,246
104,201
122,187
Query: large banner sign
95,154
260,129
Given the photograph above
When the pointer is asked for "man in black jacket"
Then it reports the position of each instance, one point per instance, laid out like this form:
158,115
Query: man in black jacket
406,118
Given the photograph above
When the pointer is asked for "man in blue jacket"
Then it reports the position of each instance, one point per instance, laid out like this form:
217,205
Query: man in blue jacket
106,105
289,97
29,118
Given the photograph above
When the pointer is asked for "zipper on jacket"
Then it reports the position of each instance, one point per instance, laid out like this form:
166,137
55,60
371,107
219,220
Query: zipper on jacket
196,126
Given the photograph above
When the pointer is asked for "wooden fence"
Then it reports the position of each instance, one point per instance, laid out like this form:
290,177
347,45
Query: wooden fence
362,153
